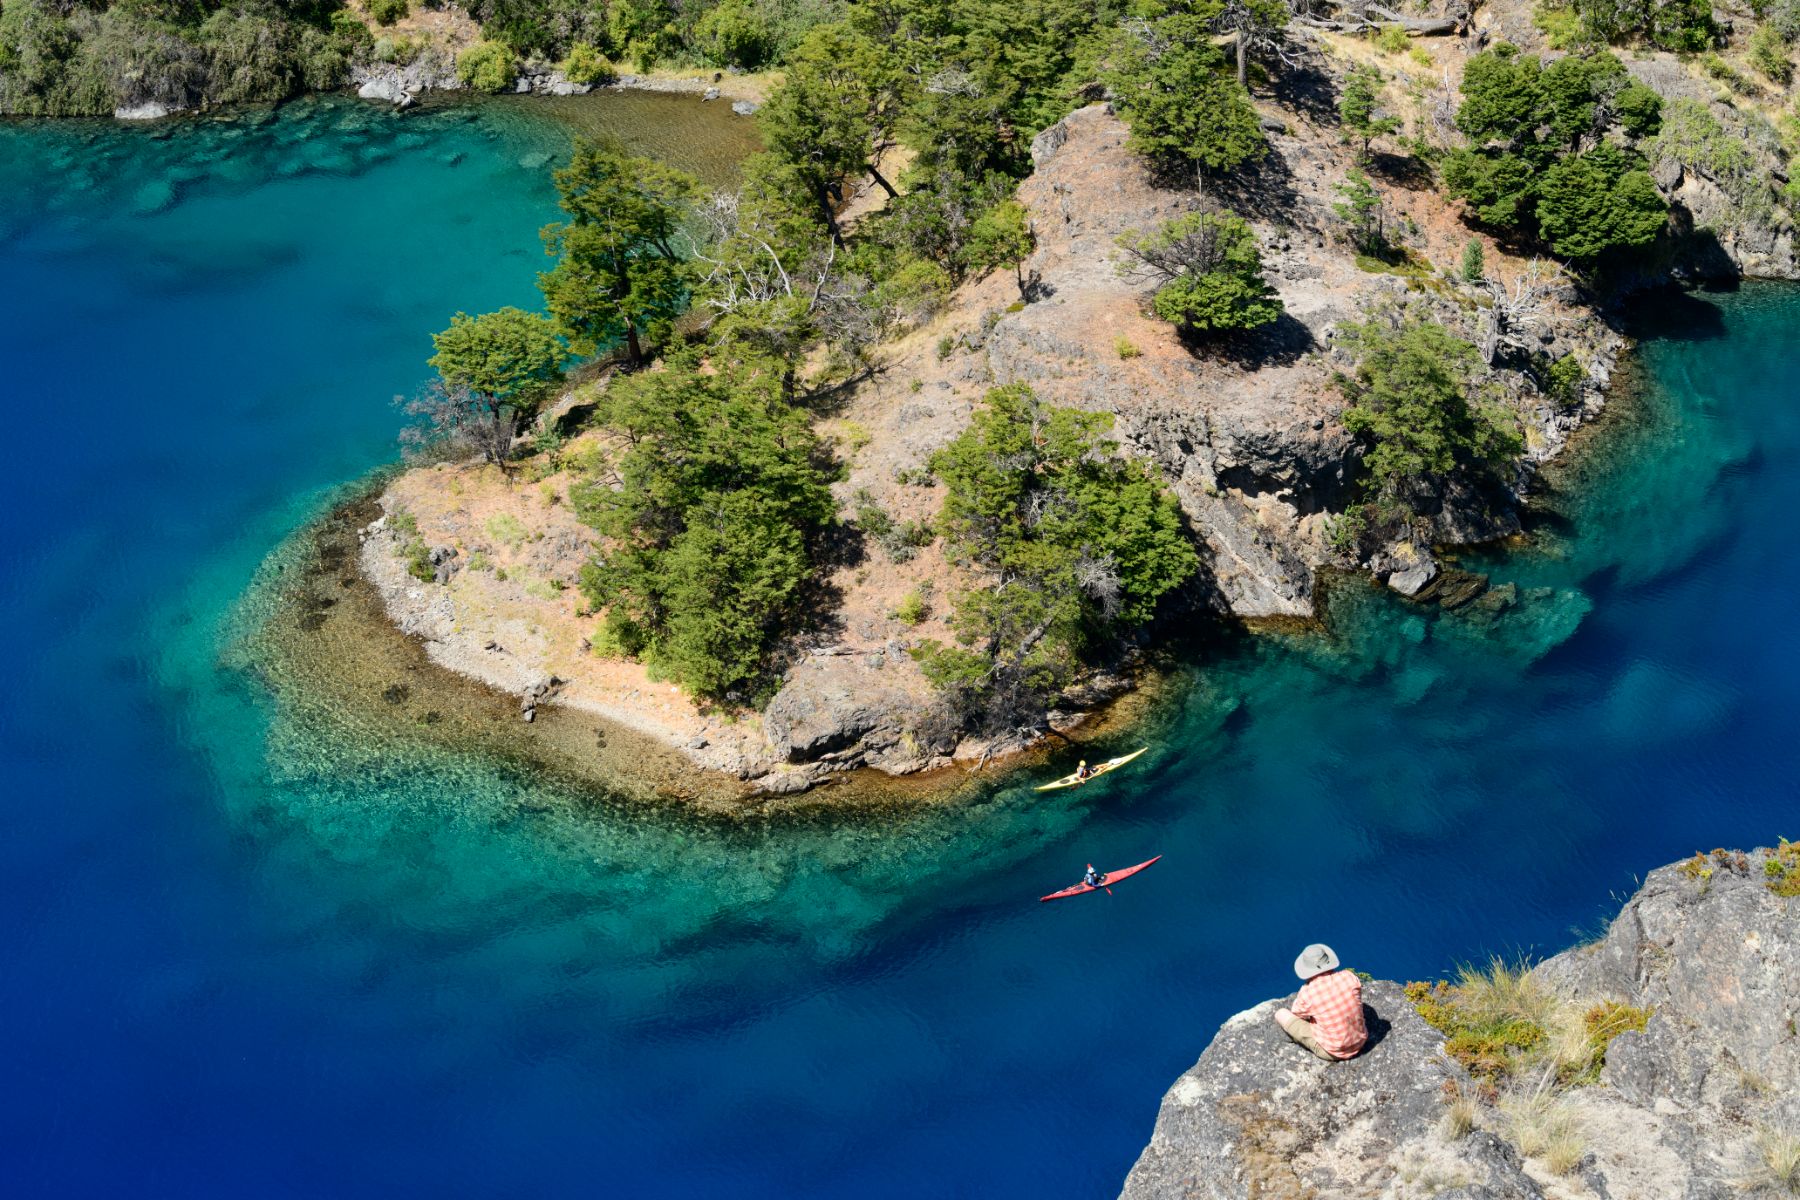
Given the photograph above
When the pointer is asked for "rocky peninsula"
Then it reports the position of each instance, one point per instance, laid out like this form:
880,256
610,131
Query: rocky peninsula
1253,443
1655,1063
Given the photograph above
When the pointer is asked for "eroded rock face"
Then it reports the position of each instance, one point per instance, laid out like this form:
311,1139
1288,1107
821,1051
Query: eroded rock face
1710,950
1258,1116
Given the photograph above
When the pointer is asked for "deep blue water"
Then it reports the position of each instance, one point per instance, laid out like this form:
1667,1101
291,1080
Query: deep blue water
245,953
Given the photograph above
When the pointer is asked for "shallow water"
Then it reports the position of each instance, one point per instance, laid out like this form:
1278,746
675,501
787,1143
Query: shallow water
255,948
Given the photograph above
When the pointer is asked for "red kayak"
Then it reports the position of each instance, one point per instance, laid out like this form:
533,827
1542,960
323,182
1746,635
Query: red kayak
1106,882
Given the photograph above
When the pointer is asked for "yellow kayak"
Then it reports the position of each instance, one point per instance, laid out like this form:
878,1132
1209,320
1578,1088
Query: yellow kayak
1073,780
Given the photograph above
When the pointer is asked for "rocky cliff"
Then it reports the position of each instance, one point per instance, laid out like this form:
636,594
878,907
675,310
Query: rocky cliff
1682,1081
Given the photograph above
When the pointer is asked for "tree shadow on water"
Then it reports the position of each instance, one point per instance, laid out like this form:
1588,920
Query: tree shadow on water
1673,314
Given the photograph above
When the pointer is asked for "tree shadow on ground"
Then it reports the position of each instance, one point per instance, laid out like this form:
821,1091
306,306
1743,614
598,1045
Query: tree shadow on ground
1263,189
1282,342
1402,170
1307,89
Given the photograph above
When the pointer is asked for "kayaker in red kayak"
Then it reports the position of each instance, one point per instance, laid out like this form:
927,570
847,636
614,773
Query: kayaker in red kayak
1094,878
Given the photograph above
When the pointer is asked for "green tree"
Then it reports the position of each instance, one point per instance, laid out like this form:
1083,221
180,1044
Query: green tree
1359,108
619,274
1598,201
1071,540
1474,264
1209,271
1680,25
1172,86
834,113
734,33
1359,207
387,12
709,516
504,359
1000,237
1416,401
1539,134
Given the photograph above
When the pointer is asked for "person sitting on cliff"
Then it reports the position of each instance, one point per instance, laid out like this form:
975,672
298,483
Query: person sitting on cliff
1094,878
1327,1017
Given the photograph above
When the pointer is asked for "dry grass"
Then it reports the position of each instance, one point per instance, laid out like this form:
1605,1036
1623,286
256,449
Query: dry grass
1546,1128
1459,1118
1774,1166
1502,993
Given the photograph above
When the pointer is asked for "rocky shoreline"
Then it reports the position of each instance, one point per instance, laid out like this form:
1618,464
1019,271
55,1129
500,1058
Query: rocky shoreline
404,85
321,636
1696,1096
502,638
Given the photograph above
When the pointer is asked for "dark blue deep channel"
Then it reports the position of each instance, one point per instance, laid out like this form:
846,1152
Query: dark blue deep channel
242,956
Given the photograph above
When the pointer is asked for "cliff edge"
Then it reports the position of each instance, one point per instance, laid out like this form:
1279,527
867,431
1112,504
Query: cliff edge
1661,1061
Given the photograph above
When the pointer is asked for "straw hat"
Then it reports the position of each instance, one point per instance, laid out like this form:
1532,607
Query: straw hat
1315,960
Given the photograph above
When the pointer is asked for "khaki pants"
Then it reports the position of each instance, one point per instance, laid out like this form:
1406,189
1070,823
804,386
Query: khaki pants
1302,1031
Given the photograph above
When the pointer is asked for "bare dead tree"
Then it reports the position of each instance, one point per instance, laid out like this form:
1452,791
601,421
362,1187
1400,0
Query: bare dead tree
455,422
1510,322
1360,16
1256,26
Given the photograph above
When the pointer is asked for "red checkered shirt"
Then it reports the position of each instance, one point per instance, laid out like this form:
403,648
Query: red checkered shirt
1333,1002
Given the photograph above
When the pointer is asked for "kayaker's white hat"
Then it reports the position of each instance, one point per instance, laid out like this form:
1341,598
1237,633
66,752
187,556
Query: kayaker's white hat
1315,960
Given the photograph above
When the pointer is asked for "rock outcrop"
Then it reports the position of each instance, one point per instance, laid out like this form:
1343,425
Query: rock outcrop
1694,1107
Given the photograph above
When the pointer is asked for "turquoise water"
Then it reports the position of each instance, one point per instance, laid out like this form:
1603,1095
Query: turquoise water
252,951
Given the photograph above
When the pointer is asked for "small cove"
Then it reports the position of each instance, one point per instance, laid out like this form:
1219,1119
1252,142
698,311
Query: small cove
253,953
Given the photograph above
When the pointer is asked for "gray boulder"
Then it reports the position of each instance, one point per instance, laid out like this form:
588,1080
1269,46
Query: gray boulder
1681,1111
1259,1116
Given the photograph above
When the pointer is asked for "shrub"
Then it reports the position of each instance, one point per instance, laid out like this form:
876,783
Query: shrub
1717,68
586,66
1491,1017
617,638
1781,870
1768,54
1125,347
913,608
386,12
1561,26
1391,39
899,540
1563,379
1210,271
506,529
488,66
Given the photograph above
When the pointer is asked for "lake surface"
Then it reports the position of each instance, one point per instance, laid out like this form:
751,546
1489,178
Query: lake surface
248,952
